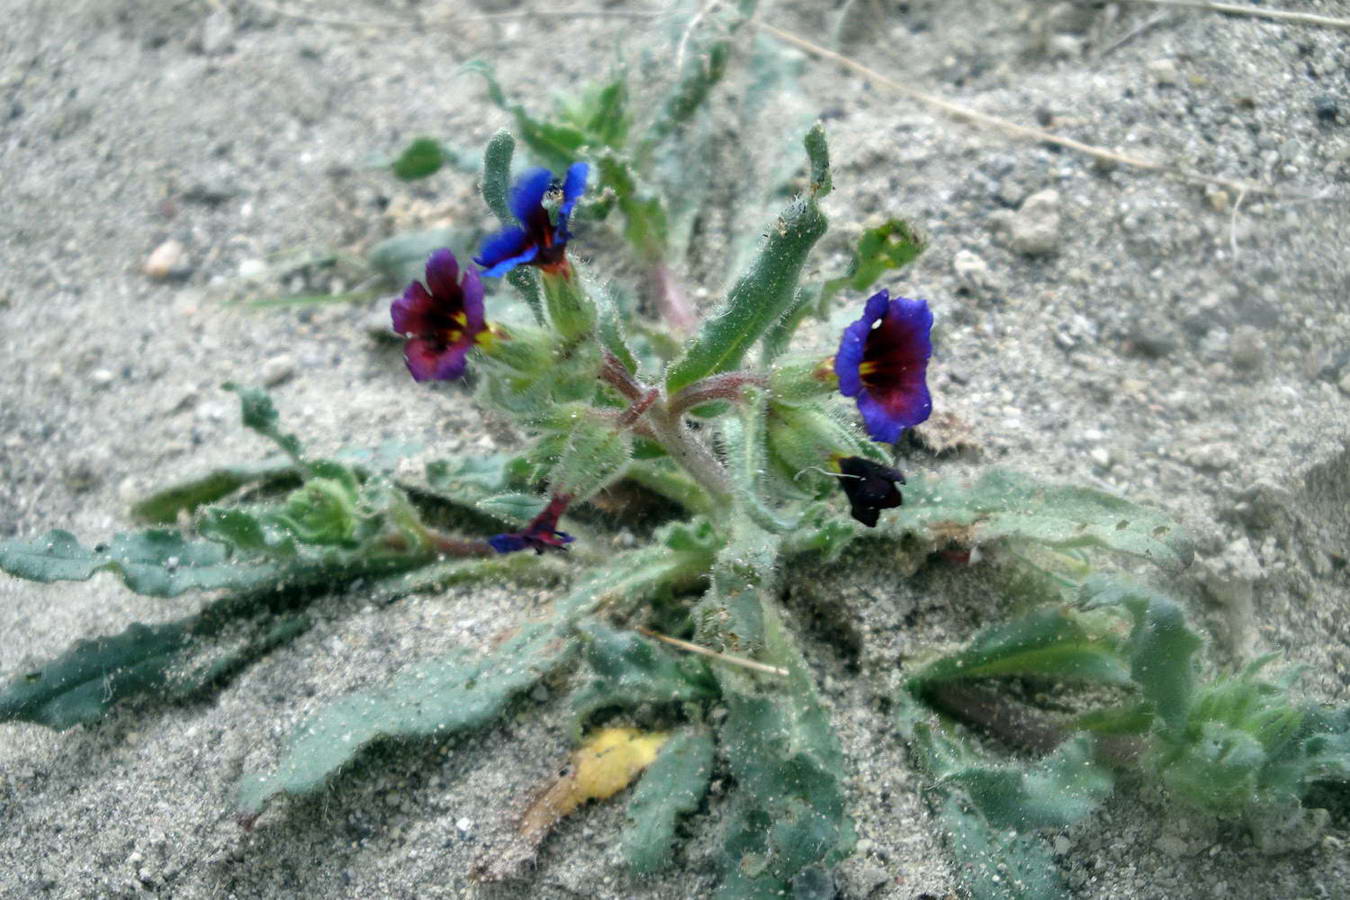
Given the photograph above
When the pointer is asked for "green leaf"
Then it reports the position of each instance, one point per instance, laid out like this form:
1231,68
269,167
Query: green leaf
421,158
788,814
163,506
646,225
761,296
992,864
673,785
155,563
730,616
1002,504
1054,793
557,146
1161,647
497,175
702,71
1048,643
630,669
258,414
173,661
460,691
892,245
83,683
818,155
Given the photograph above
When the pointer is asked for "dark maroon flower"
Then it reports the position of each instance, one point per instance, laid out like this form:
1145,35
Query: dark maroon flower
539,240
870,486
442,320
883,362
541,534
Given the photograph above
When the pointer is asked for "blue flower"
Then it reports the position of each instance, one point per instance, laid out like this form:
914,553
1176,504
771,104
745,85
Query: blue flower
541,534
539,240
883,363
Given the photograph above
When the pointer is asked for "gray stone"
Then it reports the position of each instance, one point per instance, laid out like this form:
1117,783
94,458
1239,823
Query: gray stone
1035,228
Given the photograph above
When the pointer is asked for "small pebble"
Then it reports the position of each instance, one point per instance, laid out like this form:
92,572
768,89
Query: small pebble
252,269
168,260
1327,110
102,377
1035,228
1164,71
217,34
972,271
1344,383
278,369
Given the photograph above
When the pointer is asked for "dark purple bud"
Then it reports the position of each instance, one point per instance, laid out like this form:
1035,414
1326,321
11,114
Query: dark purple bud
870,487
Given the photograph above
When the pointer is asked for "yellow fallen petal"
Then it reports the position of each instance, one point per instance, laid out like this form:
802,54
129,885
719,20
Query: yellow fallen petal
609,761
604,765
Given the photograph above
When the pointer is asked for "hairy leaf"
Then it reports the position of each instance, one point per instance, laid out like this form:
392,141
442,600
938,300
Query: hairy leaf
788,814
172,660
419,159
672,786
761,296
1161,647
460,691
163,506
155,563
1003,504
1049,643
993,862
630,669
402,259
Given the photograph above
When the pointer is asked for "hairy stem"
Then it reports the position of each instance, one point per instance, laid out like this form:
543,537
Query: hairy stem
726,386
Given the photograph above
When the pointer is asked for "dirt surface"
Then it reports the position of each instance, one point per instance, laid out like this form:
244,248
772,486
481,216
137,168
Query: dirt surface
1185,344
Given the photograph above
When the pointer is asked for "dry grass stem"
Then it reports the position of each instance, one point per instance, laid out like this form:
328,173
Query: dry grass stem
713,654
1255,12
966,114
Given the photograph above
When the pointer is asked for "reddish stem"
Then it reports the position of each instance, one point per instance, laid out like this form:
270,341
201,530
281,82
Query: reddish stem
726,386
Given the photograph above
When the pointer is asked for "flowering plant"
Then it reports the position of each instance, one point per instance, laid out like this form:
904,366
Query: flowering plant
755,450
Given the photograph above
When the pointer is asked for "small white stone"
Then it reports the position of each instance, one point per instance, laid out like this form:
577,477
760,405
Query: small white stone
1164,71
1035,227
464,824
252,269
278,369
972,271
1344,383
166,260
102,377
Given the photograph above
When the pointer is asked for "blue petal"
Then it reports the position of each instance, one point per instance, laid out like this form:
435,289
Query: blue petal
527,194
507,265
504,246
574,185
881,426
507,543
850,356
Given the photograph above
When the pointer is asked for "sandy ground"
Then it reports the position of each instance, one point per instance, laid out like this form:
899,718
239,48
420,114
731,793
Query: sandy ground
1152,340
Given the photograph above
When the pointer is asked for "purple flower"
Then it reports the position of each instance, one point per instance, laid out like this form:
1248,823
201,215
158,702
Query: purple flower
541,534
883,361
870,486
538,240
442,321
